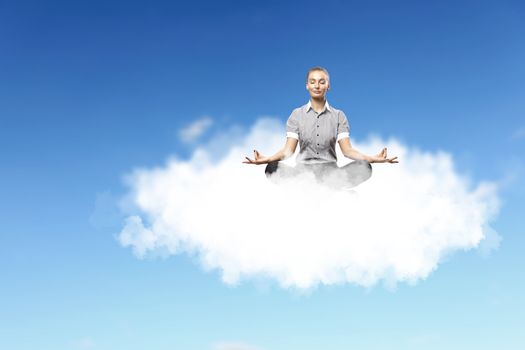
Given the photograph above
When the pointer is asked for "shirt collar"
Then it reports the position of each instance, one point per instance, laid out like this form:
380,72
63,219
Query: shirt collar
326,106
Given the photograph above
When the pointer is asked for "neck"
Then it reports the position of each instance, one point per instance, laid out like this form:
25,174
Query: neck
318,103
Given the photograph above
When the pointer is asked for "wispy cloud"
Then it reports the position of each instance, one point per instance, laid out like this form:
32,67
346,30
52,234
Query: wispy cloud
106,214
424,339
195,129
519,133
85,343
234,346
490,243
395,227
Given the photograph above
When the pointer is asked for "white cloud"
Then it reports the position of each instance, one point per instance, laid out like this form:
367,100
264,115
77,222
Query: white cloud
395,227
195,129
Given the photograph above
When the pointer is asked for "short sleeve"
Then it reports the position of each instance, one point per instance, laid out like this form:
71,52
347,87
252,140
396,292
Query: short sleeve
343,129
292,126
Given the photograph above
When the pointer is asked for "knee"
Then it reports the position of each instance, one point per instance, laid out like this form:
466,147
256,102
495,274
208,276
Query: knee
366,167
364,164
271,168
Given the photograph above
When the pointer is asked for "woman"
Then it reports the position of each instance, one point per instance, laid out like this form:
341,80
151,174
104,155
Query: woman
317,127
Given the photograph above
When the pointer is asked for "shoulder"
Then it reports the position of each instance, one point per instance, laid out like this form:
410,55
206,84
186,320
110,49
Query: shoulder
337,112
297,112
301,109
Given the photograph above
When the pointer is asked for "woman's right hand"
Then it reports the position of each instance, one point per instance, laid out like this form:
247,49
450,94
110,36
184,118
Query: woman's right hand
258,159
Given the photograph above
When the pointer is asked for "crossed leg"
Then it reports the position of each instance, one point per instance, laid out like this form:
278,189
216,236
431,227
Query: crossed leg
329,174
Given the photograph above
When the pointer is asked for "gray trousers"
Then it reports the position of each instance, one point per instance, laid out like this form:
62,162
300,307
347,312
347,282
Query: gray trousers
328,174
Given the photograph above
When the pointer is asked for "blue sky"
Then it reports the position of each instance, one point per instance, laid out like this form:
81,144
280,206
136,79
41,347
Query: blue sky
91,90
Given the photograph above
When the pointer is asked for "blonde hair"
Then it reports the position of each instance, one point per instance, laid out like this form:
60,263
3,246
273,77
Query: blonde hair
317,68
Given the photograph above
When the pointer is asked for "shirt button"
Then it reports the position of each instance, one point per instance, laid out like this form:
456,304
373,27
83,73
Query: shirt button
317,152
317,134
317,144
317,125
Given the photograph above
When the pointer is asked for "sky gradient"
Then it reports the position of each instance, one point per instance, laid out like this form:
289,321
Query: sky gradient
91,90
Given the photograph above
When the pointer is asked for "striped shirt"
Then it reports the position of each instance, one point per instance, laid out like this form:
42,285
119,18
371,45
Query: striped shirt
317,132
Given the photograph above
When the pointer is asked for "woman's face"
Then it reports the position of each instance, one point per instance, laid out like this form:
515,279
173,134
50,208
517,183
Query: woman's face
317,84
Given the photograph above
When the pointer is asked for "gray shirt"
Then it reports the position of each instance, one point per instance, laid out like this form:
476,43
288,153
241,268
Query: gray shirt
317,132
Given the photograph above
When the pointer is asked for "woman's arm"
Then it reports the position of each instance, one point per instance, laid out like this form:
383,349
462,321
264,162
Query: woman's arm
287,151
352,153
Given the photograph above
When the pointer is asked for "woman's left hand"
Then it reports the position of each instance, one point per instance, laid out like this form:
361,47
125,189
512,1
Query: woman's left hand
381,157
